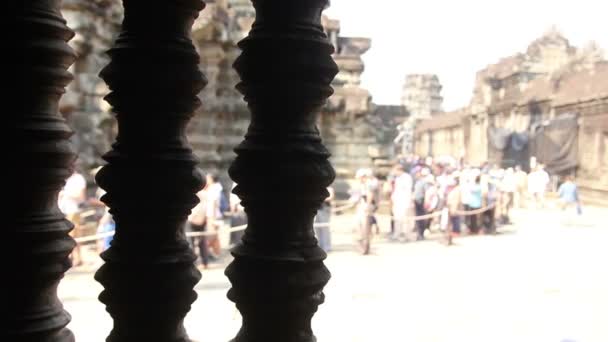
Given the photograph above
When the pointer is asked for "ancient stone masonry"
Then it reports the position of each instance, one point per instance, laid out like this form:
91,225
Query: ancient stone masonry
356,132
95,23
525,94
422,95
38,159
343,125
282,171
222,120
348,124
150,177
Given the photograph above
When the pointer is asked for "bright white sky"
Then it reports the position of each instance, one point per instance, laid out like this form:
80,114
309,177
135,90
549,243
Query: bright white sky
456,38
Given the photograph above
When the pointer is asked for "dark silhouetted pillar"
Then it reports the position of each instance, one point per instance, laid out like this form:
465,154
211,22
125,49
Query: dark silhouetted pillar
37,158
282,171
150,178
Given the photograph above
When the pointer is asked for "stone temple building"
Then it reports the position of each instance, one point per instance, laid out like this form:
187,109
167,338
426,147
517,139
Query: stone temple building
149,275
548,103
95,24
422,95
357,132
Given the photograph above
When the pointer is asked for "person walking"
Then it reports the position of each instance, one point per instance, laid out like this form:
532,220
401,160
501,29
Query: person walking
366,206
238,218
569,197
213,213
453,203
420,188
322,220
70,200
521,181
508,186
538,180
197,222
475,201
401,200
490,197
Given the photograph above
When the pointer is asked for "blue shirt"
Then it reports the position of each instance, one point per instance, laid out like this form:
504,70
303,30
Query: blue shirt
568,192
475,196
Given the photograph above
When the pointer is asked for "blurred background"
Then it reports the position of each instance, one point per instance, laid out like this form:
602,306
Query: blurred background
470,142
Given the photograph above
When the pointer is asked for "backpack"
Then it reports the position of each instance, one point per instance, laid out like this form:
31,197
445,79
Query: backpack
224,203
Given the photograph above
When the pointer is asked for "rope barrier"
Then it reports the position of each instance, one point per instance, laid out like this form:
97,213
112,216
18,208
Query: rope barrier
188,234
94,237
316,225
229,230
343,208
439,213
474,212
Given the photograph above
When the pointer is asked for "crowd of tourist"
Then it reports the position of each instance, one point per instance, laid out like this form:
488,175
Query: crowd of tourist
454,197
214,211
422,194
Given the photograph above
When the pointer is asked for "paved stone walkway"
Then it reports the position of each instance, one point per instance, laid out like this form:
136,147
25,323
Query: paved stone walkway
540,280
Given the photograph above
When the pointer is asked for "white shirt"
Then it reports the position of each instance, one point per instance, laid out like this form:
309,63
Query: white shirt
199,212
538,181
402,195
509,182
72,194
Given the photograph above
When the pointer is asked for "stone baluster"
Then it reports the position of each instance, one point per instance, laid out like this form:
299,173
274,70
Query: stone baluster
282,171
150,178
38,158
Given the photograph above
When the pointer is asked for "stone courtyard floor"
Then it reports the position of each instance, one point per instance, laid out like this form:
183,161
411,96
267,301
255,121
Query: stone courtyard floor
539,280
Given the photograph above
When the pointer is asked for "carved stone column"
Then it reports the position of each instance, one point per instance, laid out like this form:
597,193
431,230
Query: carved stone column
37,160
150,178
282,171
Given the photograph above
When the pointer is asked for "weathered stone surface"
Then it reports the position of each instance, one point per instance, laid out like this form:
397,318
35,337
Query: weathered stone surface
522,92
150,177
349,122
422,95
96,24
37,159
282,172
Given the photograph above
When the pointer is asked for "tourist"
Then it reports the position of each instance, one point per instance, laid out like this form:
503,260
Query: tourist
322,219
375,186
401,200
431,200
465,192
238,217
475,201
490,199
214,213
538,180
453,203
444,182
521,181
508,187
107,227
70,200
568,195
420,187
366,206
106,224
197,222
